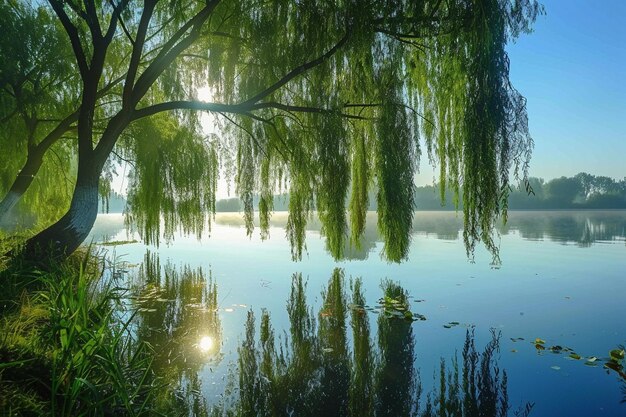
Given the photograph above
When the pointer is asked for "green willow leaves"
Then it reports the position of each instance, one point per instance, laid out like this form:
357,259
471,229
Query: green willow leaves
323,99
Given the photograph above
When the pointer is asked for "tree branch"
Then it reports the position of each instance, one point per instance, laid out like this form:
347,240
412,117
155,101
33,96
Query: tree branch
92,19
170,51
124,28
304,109
243,108
72,32
135,58
117,12
299,70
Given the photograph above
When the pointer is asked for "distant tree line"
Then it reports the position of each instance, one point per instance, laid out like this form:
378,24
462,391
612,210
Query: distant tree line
582,191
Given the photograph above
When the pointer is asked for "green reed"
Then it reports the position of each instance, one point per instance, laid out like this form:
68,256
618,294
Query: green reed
70,346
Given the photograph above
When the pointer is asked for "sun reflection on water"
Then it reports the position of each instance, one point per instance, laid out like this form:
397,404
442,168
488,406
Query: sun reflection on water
205,344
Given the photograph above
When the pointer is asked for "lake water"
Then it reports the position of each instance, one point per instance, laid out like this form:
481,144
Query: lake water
558,302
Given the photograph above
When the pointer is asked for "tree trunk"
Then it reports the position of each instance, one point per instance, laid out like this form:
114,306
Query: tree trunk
65,236
58,241
19,187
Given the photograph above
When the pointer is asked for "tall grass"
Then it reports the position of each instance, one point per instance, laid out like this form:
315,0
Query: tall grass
69,347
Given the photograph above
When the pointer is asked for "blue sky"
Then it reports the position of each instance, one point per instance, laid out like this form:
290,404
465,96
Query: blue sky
572,70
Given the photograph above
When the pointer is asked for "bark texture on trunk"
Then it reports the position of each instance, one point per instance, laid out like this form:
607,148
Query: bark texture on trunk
65,236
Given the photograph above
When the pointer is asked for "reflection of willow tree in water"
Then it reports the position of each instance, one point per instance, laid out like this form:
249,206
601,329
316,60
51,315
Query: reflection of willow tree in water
395,376
480,389
313,373
581,227
351,251
178,318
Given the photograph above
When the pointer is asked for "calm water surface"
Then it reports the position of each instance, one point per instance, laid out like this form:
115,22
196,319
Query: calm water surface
562,280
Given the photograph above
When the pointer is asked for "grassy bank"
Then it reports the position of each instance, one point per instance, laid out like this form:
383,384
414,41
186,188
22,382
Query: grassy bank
65,344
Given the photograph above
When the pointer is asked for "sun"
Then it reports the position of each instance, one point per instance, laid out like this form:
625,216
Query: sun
204,94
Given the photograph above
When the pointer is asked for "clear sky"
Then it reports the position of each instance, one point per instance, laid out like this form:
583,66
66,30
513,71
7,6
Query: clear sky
572,70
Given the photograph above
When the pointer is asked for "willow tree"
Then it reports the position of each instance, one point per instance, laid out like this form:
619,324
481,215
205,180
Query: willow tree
36,88
321,98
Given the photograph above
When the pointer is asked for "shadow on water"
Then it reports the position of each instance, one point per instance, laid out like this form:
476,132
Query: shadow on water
315,371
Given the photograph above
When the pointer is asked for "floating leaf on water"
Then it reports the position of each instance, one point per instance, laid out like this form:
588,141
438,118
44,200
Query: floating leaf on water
540,341
614,366
419,301
514,350
539,347
574,356
617,354
556,368
556,349
591,359
447,326
454,323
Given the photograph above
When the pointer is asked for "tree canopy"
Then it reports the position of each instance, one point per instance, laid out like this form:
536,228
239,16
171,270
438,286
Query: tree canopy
321,99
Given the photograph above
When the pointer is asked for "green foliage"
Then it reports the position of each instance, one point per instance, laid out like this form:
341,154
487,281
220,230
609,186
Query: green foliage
174,180
36,88
325,99
70,344
580,191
